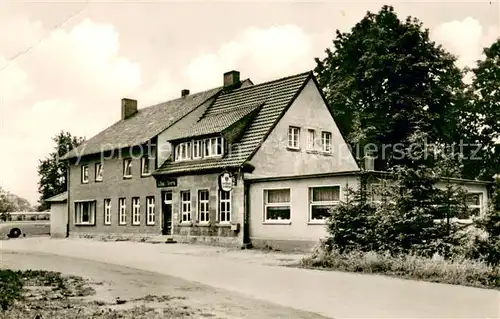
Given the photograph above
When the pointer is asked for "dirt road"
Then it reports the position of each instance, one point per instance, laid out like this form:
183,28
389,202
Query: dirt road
130,284
252,273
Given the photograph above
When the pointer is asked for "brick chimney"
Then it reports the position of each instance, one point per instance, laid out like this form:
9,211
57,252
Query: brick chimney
184,93
129,108
231,79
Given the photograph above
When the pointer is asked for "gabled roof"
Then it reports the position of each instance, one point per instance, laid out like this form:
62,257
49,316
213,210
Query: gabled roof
143,126
214,123
275,96
62,197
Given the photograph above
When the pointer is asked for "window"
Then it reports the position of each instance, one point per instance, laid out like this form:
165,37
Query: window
203,206
311,136
293,137
224,206
185,207
475,204
183,151
107,211
85,174
122,212
98,172
277,205
136,211
150,209
168,197
321,200
214,146
145,170
198,149
85,213
379,191
127,167
326,141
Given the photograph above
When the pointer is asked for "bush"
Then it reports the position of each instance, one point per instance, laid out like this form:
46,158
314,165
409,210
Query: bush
459,271
10,287
350,225
412,217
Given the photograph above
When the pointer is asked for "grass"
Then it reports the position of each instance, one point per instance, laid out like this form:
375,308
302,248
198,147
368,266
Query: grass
10,288
15,286
47,294
458,271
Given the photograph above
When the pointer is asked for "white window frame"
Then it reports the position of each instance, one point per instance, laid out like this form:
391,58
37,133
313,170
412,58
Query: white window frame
266,205
85,174
99,168
183,151
136,211
311,139
203,207
326,141
79,212
213,147
127,165
480,205
294,137
107,211
312,203
198,149
226,212
150,210
144,160
185,204
122,211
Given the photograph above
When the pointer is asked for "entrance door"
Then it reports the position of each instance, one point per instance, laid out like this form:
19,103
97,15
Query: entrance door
166,208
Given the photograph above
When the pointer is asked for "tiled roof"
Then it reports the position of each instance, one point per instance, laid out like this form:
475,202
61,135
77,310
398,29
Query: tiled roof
144,125
62,197
276,95
214,123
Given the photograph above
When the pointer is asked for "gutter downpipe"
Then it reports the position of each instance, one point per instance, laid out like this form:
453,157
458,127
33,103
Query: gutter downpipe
246,209
68,167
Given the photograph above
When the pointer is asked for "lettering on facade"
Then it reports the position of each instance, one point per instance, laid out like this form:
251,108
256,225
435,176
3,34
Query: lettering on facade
166,183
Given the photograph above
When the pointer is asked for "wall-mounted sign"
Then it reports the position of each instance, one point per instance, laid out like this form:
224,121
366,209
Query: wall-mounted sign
226,182
166,183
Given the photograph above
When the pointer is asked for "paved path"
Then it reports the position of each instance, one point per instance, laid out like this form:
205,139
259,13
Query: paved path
332,294
112,281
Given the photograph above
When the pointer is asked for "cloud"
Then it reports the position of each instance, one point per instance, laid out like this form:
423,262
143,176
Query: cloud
73,78
466,39
68,80
262,54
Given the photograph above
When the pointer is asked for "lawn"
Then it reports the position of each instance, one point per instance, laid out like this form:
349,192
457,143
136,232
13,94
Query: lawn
47,294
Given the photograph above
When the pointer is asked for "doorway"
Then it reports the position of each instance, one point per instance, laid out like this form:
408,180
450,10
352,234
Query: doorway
166,208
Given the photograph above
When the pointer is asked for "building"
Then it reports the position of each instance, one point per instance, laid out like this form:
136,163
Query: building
58,215
233,165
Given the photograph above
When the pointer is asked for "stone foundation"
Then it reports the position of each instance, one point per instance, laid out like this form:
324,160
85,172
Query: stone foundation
295,246
209,240
149,238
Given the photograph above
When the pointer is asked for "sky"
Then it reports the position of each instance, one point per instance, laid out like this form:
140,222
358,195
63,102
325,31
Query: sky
66,65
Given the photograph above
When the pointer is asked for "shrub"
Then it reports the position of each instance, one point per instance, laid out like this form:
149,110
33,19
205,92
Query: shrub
10,287
459,271
405,221
350,224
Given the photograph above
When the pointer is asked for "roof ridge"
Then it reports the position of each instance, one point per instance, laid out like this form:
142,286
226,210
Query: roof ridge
180,98
248,106
269,82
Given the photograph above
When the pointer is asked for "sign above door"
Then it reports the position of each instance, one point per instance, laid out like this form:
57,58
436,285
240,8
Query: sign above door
172,182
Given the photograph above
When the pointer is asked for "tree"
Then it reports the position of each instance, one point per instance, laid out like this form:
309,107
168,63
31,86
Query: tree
483,116
5,205
52,171
12,203
384,79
